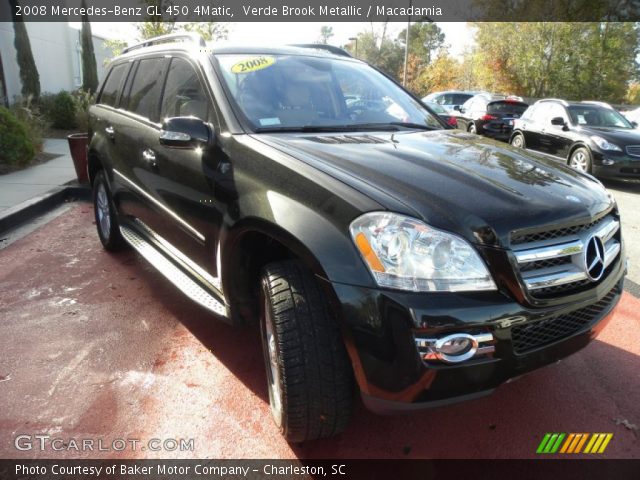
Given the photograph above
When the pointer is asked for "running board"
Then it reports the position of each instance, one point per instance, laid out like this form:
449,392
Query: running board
176,276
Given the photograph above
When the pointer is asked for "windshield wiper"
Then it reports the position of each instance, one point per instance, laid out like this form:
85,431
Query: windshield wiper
328,128
356,127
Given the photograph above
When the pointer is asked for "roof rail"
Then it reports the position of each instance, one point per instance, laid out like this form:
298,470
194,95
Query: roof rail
321,46
563,102
600,104
172,37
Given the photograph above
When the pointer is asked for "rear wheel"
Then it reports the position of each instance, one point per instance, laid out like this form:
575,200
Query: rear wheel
105,214
580,159
518,140
308,370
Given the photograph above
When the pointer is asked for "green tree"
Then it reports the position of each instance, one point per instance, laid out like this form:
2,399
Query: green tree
376,48
595,60
28,71
156,25
209,31
326,33
89,66
425,39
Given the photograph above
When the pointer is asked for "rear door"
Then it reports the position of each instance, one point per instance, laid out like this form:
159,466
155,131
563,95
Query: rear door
137,136
533,125
557,140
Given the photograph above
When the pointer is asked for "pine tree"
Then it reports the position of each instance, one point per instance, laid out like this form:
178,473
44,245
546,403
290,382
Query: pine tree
28,71
89,66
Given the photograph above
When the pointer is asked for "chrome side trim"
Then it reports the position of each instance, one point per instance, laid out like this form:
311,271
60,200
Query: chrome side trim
215,281
176,276
170,212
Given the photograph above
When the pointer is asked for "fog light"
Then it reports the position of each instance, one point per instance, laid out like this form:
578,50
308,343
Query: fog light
607,161
455,348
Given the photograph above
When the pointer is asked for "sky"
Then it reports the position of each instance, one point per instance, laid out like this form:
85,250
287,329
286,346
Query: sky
459,36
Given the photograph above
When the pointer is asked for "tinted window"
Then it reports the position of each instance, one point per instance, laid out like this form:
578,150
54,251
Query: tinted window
183,92
113,84
507,107
144,96
456,98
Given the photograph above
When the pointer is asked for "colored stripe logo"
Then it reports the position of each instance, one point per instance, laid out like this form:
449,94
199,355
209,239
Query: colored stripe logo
574,443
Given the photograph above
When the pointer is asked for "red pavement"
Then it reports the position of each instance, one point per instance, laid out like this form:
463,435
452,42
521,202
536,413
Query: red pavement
99,346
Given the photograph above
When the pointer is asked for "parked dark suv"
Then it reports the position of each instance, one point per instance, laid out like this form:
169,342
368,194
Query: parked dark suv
306,191
589,136
490,115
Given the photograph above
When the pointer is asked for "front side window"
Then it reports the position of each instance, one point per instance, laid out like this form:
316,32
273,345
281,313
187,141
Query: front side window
292,92
144,96
183,92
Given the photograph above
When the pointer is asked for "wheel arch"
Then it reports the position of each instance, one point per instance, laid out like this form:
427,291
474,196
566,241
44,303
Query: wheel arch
255,242
577,145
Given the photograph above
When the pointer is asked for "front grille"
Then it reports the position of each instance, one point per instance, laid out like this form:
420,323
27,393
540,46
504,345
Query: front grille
568,260
634,150
518,238
543,332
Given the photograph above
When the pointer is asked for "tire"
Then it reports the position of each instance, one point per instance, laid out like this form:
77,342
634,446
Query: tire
472,128
106,216
308,371
518,141
580,159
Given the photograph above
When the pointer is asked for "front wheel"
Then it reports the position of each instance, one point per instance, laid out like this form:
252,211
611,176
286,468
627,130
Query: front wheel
580,160
472,128
308,370
517,140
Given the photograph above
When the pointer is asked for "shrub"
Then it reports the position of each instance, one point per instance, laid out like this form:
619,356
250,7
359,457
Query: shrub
29,114
62,113
16,146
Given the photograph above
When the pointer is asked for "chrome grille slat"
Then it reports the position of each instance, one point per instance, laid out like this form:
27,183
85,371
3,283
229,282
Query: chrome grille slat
633,150
551,263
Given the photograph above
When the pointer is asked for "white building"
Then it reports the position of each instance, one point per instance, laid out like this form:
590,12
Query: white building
56,48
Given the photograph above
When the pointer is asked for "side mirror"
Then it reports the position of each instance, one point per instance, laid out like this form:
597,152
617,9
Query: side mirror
558,121
634,124
184,132
458,108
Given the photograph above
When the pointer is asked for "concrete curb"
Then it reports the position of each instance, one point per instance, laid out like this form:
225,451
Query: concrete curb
27,210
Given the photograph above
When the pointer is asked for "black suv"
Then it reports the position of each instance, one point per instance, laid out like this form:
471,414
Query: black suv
589,136
490,115
306,191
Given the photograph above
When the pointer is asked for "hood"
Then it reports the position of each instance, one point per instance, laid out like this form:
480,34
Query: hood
463,183
621,137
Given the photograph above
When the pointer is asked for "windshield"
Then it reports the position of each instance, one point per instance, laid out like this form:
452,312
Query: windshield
288,92
593,116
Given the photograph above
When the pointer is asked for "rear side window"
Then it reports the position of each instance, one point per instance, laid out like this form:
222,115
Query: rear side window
113,85
183,92
144,95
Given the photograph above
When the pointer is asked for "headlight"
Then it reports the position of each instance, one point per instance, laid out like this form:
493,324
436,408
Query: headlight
407,254
605,145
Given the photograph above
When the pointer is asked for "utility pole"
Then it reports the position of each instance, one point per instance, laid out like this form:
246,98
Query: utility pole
355,39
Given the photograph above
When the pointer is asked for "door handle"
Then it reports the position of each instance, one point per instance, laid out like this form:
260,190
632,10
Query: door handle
149,156
110,132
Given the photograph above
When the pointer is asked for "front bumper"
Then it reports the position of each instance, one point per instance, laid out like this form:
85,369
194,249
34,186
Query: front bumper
622,166
381,327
